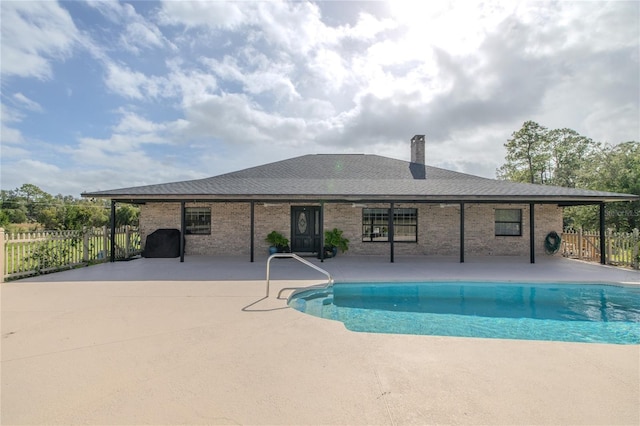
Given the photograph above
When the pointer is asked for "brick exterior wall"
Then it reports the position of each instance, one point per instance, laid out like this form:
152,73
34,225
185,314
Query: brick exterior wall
230,227
438,228
158,216
479,229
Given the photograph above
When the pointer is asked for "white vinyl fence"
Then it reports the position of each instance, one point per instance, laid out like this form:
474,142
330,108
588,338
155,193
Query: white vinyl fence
622,248
32,253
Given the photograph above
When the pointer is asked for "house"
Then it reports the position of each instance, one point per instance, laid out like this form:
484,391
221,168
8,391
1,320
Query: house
384,206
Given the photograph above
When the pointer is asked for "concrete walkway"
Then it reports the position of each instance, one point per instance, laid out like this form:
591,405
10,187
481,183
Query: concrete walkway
155,341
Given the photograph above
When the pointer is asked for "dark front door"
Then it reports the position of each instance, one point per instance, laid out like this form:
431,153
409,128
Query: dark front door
305,229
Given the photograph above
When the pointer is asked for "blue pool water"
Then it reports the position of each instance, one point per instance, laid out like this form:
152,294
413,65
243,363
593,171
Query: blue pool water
560,312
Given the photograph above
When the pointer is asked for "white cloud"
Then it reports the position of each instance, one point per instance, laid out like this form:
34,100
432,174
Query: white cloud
133,130
128,137
56,180
455,27
132,123
293,27
259,76
37,172
125,82
594,25
204,87
33,34
139,33
193,86
613,124
40,166
27,103
368,27
121,151
304,32
10,115
328,70
441,69
205,13
235,119
134,84
9,135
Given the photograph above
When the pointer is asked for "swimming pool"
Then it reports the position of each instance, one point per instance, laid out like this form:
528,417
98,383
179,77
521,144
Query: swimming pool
598,313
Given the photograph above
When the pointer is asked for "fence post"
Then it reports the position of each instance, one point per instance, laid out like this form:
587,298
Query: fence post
105,239
85,244
127,241
580,243
2,245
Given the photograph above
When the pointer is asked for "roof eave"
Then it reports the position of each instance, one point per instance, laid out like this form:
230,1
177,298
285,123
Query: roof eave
559,199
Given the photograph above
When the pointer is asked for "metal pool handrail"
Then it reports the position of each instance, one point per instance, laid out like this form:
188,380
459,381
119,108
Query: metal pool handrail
298,258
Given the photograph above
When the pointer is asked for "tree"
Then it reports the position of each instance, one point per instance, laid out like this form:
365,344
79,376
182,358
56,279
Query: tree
563,157
127,215
528,154
619,171
50,218
35,200
4,218
15,215
73,216
568,152
13,208
31,204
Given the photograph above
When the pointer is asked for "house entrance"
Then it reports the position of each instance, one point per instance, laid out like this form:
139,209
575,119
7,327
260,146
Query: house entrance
305,229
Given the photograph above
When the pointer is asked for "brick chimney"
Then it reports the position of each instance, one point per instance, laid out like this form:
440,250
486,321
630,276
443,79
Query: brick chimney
417,149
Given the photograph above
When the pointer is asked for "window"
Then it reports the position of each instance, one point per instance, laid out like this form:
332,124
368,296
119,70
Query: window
197,220
375,225
405,225
508,222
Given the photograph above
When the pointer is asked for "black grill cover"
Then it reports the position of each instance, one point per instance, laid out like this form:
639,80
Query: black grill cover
162,243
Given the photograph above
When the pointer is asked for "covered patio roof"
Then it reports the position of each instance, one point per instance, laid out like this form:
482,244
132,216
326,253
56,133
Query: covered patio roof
354,178
359,178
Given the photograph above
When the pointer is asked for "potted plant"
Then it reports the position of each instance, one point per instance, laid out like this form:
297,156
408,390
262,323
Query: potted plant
334,241
277,243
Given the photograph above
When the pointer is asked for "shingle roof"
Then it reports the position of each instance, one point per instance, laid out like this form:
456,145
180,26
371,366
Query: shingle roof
353,177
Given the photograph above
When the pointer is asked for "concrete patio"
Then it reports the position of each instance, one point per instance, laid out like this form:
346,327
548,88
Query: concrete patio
156,341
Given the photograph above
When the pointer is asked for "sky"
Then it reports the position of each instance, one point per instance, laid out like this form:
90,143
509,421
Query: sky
103,94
